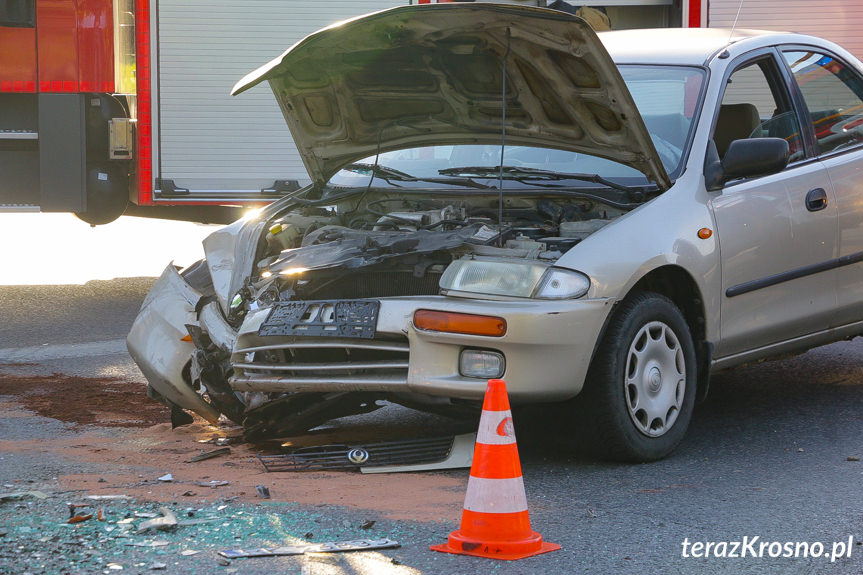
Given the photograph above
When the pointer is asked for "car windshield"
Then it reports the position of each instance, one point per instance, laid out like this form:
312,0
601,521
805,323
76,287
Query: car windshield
666,96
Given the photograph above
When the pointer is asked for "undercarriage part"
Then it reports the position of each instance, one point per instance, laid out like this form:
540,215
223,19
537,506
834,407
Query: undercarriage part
210,367
459,409
300,412
341,456
179,417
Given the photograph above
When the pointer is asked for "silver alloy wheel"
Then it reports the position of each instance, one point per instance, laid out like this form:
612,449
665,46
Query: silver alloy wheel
655,379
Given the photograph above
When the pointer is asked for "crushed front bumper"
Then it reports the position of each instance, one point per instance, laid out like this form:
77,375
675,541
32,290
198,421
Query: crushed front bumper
156,342
548,346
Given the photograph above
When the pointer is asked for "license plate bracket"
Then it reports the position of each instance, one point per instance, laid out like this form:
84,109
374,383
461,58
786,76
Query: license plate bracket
322,318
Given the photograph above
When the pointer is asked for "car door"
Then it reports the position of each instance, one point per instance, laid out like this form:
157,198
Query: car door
774,231
833,92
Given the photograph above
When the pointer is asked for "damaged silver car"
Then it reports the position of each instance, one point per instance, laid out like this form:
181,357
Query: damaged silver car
496,192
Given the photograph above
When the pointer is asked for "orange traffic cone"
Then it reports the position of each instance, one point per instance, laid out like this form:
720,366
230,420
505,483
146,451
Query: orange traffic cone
495,522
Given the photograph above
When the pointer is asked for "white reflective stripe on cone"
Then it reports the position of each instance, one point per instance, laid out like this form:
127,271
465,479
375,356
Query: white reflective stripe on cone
495,495
495,428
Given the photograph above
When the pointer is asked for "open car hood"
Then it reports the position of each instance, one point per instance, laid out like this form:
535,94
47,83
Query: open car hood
432,74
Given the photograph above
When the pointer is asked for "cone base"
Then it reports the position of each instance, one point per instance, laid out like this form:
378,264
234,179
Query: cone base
505,550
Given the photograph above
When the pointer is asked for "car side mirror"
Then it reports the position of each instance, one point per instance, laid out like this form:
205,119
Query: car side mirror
746,159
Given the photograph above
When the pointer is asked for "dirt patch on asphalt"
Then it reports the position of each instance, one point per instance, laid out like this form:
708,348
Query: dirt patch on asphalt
107,402
141,447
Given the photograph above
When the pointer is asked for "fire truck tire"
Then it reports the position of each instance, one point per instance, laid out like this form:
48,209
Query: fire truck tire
107,194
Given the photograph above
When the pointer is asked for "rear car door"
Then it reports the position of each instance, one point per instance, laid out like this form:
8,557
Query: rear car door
833,92
774,231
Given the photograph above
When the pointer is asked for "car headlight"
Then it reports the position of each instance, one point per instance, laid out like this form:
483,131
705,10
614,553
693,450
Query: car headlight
513,279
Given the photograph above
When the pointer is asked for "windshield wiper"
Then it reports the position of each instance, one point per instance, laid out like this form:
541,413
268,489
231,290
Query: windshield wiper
390,175
534,174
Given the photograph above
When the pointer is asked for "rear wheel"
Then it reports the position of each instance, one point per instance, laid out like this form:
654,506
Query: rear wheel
640,388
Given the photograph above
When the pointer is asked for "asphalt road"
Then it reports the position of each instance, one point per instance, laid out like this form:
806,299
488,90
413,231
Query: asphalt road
771,454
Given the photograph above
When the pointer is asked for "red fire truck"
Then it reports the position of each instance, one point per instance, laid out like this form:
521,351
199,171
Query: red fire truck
113,105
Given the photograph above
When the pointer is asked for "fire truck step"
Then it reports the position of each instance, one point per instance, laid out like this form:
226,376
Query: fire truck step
18,135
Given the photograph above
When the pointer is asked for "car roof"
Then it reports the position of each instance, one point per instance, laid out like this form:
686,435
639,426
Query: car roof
692,46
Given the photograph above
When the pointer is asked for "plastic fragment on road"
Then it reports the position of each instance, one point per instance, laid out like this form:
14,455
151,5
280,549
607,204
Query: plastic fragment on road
108,497
189,552
80,518
210,454
158,566
167,521
263,491
17,495
167,477
156,543
187,522
331,547
214,483
216,441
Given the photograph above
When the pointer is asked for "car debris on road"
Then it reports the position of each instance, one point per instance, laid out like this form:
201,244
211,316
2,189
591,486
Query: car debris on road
331,547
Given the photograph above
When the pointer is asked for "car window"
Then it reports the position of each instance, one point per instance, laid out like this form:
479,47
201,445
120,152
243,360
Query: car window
833,92
666,98
755,105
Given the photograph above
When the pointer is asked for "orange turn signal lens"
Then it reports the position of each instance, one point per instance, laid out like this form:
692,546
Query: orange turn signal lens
186,337
466,323
705,233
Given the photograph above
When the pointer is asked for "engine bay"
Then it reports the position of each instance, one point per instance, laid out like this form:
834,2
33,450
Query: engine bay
393,246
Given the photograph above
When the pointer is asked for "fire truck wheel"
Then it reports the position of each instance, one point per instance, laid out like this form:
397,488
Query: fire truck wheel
107,195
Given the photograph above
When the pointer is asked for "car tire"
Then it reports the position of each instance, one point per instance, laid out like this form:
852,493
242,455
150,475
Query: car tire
640,388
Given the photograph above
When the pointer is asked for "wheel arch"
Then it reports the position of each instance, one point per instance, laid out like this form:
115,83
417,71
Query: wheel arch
675,283
678,285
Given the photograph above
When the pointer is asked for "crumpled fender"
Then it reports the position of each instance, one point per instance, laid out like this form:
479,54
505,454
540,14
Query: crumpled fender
155,341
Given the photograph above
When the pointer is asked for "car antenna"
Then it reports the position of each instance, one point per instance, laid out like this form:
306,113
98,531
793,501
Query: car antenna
724,53
374,168
502,144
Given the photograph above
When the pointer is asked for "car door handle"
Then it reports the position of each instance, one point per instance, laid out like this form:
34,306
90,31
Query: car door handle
816,200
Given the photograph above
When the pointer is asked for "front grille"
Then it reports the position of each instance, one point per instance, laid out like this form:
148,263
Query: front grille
376,284
322,364
341,456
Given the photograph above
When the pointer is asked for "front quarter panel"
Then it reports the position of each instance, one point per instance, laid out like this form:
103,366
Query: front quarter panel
230,254
663,232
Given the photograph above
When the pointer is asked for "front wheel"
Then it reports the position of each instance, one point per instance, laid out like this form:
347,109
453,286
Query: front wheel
640,389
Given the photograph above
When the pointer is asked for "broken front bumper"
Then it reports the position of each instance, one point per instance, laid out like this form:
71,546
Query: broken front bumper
548,346
156,342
